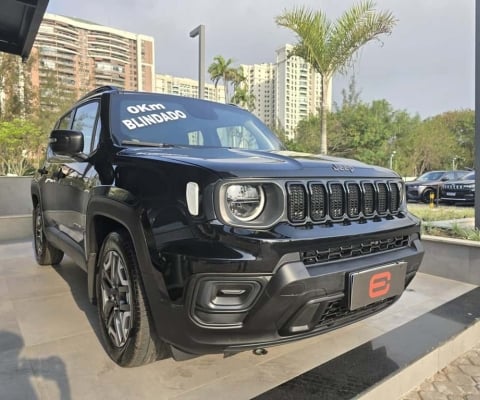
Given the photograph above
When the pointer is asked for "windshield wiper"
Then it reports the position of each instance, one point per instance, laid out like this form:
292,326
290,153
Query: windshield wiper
145,144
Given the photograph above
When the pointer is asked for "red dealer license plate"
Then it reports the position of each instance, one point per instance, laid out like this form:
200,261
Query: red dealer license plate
371,285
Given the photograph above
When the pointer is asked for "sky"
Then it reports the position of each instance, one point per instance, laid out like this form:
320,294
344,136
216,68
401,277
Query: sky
425,66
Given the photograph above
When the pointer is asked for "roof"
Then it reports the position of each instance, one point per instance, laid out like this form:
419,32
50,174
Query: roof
19,23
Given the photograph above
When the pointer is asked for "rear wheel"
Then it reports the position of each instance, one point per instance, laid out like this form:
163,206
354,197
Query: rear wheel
45,253
124,318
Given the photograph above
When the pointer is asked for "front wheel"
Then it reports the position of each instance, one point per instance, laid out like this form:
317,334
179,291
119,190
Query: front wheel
426,195
45,253
124,319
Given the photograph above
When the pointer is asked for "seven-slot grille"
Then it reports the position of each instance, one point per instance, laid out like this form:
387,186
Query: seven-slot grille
322,201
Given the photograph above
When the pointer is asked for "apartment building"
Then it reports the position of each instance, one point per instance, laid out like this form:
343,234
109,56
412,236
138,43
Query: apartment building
84,55
261,83
285,92
187,87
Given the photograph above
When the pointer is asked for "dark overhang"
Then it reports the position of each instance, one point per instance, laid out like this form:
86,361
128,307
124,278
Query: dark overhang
19,23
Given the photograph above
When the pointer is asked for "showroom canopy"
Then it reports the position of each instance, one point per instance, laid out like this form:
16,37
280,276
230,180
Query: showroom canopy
19,23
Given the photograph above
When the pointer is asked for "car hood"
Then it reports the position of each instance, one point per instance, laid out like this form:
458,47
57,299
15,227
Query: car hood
461,182
228,162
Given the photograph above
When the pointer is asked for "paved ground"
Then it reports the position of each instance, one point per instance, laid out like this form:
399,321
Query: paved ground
50,349
460,380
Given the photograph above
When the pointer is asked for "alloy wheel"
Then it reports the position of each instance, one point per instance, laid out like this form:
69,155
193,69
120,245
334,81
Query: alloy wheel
116,292
38,233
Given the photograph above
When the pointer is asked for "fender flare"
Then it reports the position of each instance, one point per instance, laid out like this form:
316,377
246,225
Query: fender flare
131,216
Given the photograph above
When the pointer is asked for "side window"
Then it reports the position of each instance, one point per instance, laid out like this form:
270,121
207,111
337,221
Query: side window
64,122
84,121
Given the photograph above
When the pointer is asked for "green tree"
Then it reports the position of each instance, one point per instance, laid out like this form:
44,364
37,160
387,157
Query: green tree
461,124
369,132
22,143
306,138
431,145
222,69
330,47
55,97
18,98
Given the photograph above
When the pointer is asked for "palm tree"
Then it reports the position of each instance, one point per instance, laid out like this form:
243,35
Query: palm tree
330,47
221,69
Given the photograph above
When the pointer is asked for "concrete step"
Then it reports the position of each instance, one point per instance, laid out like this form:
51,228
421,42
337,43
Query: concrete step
15,227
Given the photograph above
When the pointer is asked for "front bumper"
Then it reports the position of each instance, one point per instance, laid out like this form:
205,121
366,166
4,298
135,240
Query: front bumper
414,194
301,297
457,196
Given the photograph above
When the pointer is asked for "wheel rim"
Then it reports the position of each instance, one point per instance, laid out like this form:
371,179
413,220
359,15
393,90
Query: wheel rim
426,196
116,298
38,233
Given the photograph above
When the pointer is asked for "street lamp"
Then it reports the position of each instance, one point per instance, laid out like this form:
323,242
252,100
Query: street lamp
391,158
200,32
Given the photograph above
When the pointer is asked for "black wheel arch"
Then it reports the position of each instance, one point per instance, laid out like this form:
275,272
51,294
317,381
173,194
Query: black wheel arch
106,214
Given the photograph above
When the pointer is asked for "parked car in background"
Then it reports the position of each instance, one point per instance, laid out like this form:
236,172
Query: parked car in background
461,191
431,182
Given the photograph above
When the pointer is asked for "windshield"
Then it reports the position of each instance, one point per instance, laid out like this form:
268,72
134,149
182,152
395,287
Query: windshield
469,177
430,176
174,120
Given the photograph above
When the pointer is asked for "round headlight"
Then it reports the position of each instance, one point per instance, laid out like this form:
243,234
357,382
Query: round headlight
245,202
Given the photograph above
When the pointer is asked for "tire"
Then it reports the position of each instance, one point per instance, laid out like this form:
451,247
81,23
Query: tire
124,318
426,195
45,253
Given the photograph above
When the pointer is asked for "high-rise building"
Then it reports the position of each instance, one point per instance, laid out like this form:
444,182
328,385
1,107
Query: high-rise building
260,79
285,92
84,55
187,87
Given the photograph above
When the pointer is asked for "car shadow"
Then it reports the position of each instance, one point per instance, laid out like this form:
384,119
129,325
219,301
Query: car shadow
76,278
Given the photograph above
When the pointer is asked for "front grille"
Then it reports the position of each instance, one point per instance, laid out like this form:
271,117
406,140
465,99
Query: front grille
297,203
382,197
318,205
337,201
337,312
336,204
368,199
353,250
353,200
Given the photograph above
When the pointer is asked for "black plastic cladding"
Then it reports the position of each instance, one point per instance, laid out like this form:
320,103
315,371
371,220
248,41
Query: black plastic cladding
341,200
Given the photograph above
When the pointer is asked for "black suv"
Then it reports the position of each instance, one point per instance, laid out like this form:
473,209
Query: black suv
461,191
200,233
430,184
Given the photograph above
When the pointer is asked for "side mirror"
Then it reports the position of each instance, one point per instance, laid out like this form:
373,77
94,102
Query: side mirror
444,179
66,143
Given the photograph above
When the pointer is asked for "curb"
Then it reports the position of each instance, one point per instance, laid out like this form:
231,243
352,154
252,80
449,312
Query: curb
402,382
15,227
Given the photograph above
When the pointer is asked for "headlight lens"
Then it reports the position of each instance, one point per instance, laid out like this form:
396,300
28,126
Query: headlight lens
245,202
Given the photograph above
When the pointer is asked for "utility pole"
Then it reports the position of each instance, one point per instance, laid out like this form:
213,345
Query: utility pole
200,32
477,115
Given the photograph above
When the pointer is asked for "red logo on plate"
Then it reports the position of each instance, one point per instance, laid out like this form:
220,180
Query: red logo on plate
379,284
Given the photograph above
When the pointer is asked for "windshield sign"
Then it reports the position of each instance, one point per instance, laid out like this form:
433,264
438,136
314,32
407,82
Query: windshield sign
175,120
